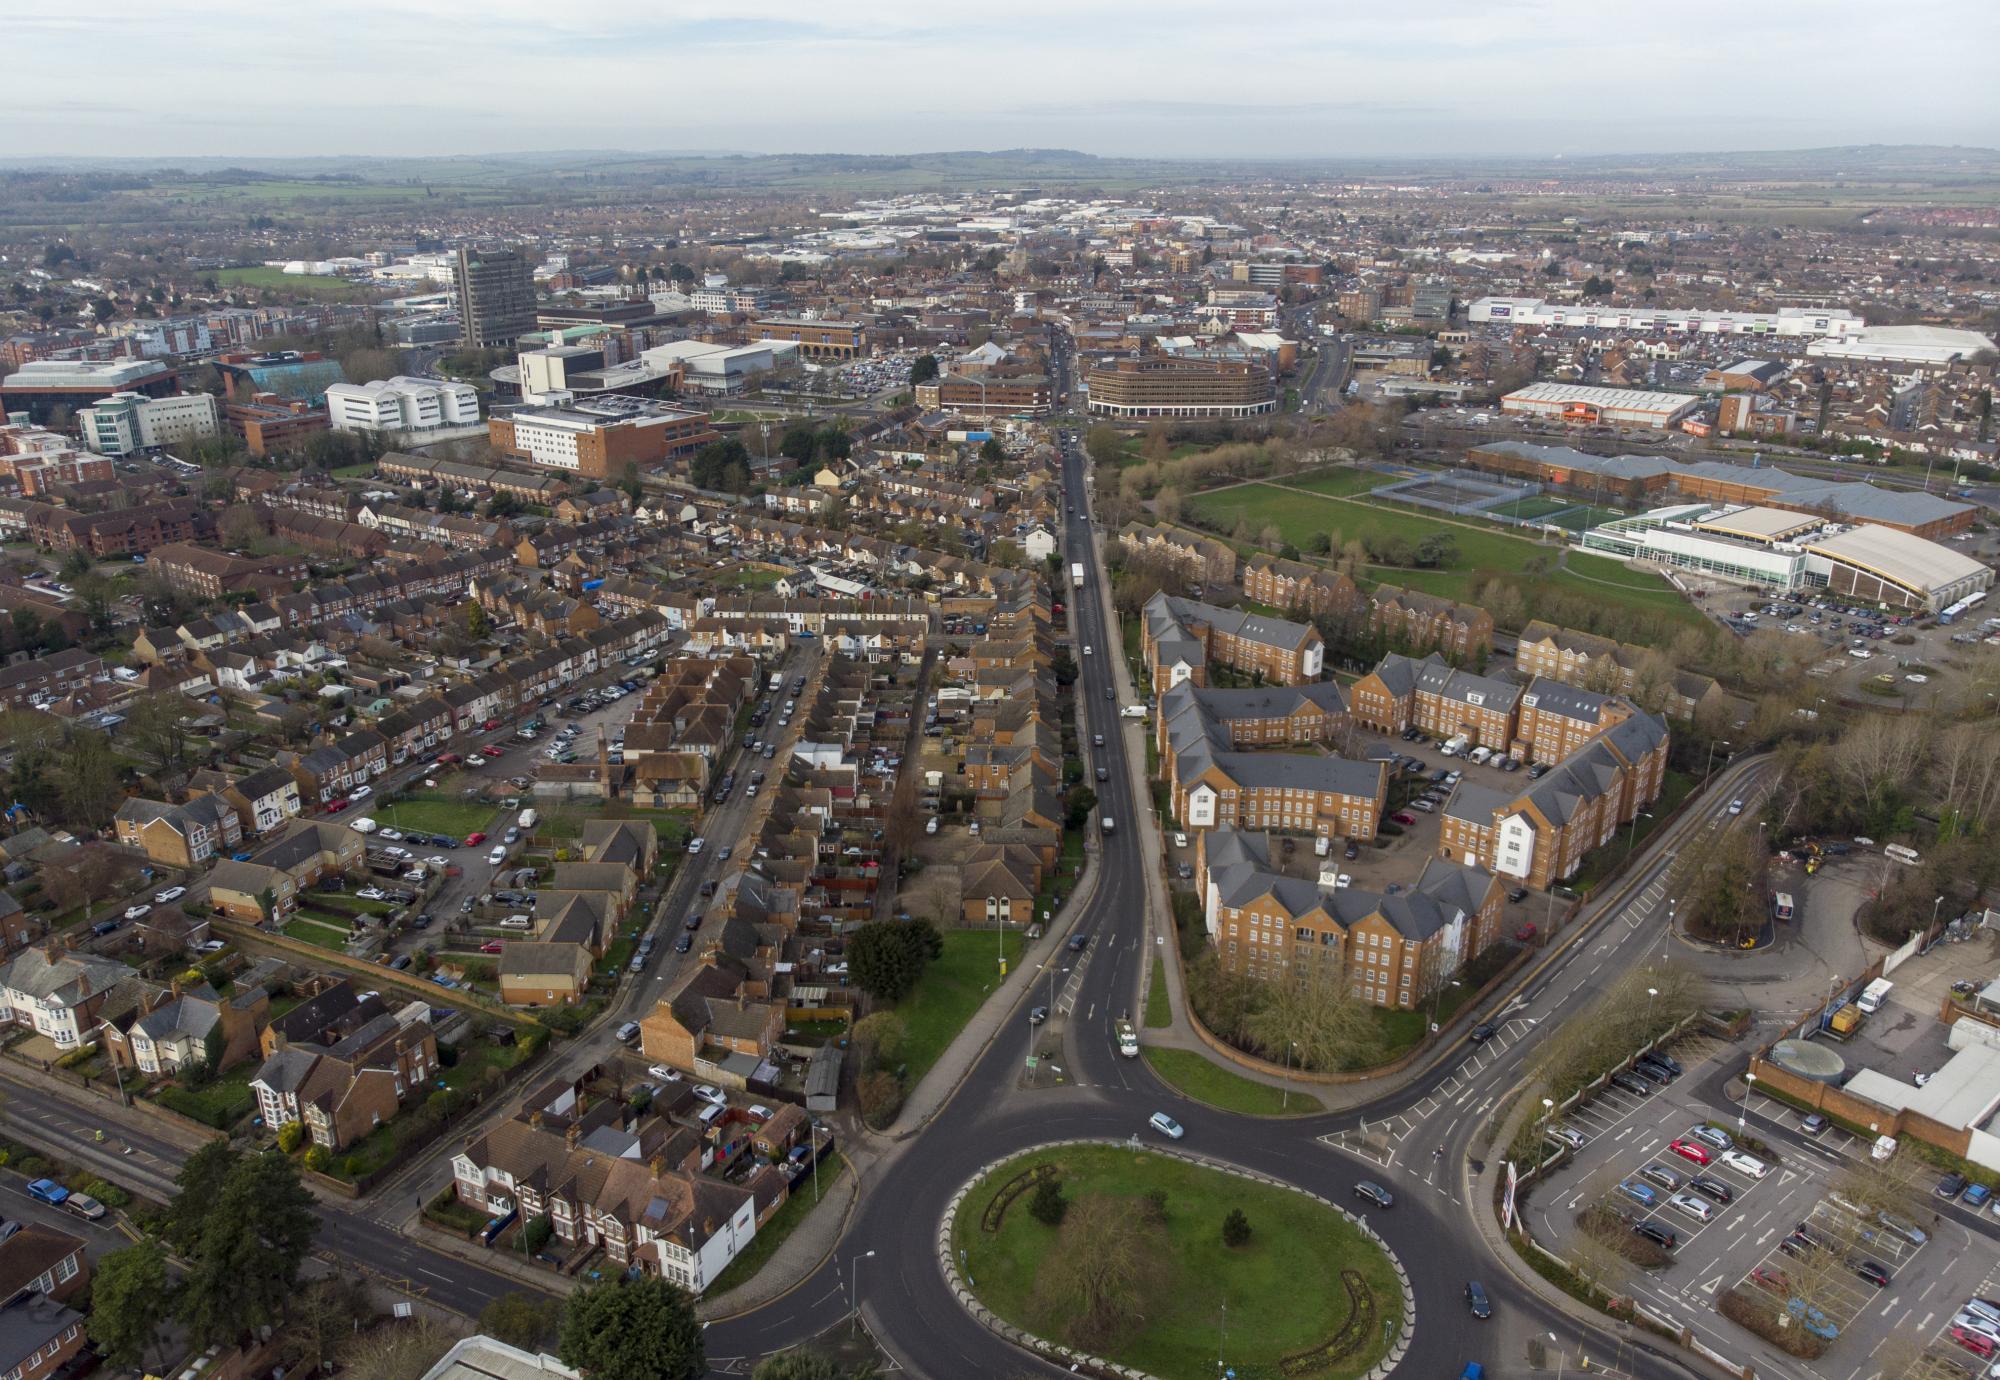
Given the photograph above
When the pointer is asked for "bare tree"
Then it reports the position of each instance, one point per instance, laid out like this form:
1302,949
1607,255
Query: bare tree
1109,1260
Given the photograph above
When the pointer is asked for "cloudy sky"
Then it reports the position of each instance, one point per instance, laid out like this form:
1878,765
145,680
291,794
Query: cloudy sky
1188,78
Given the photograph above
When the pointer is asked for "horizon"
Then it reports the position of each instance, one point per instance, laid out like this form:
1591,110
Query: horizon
1532,79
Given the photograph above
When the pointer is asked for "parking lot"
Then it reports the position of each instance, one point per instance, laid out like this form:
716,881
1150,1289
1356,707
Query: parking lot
1732,1231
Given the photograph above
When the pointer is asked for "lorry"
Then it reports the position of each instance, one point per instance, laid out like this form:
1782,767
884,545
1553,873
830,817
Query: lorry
1873,995
1076,574
1128,1039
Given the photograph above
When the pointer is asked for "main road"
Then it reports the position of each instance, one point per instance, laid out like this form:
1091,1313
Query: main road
886,1264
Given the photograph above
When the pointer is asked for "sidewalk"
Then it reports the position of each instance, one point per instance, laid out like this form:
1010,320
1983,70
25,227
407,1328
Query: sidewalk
804,1251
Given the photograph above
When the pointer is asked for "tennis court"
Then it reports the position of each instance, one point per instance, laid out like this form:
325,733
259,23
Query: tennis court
1452,494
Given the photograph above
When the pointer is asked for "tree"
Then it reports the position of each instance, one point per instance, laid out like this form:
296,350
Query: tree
196,1189
800,442
923,370
721,465
502,505
1235,1229
886,957
156,723
1109,1259
322,1320
1319,1015
1048,1204
90,784
614,1330
528,1321
132,1296
1104,445
245,1262
478,625
878,1038
290,1136
1082,800
991,451
241,527
399,1350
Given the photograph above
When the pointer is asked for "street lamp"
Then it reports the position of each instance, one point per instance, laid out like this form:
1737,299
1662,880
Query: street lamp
1934,910
1651,993
854,1278
1705,771
1559,1356
1285,1097
1749,1086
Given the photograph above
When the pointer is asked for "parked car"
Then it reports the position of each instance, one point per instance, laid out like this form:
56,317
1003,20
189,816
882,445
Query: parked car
664,1073
1949,1187
1693,1150
1713,1137
1484,1031
1639,1193
713,1096
1712,1188
1570,1136
47,1191
138,912
628,1032
1631,1083
1657,1234
169,896
1874,1272
1745,1164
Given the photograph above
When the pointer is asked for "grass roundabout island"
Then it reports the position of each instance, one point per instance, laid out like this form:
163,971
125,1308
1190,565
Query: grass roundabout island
1152,1261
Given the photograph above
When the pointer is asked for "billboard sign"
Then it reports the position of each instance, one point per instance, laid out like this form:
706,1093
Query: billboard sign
1497,310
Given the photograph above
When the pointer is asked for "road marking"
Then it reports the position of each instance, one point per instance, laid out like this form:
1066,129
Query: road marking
1710,1287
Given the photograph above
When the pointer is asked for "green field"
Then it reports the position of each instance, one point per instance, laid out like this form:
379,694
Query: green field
455,817
297,284
1343,483
1298,517
1205,1080
951,989
1281,1292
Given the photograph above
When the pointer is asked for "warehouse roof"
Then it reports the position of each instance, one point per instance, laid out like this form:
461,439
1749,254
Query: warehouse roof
1625,399
1909,344
1759,524
1909,560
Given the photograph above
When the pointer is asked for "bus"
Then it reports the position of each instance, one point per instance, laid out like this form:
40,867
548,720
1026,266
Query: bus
1781,905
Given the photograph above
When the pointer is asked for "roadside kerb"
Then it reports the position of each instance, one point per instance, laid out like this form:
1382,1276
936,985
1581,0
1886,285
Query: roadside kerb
1084,1362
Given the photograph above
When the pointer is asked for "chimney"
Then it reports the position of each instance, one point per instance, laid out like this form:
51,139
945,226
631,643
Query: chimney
535,1118
658,1164
573,1134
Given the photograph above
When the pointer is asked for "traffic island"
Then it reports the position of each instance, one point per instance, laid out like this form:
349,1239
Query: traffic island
1117,1258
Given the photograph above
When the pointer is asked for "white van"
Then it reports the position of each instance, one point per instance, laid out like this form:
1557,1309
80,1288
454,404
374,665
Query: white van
364,825
528,818
1455,746
517,922
1479,755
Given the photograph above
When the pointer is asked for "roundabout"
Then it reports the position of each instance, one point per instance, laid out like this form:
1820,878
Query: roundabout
1138,1266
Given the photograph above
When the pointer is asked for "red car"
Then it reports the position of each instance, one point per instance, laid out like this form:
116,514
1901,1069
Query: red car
449,759
491,946
490,751
1978,1343
1404,817
1526,932
473,840
1692,1150
1774,1280
490,725
334,807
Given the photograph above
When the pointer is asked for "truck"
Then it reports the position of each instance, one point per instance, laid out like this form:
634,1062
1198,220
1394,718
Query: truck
1873,995
1076,574
1845,1021
1128,1039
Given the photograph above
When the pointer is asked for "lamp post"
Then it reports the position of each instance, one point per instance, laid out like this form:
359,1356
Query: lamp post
1934,910
1651,994
1559,1356
1749,1086
854,1278
1707,770
812,1140
1285,1097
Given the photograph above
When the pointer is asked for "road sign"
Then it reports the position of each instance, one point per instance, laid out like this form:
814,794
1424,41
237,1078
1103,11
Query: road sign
1032,1061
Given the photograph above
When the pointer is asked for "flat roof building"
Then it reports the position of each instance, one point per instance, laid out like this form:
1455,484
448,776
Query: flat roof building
1588,405
1881,565
1806,322
1160,386
815,339
601,438
41,386
1934,345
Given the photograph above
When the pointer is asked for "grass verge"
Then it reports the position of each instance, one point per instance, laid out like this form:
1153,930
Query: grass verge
1206,1081
772,1234
1159,1011
953,986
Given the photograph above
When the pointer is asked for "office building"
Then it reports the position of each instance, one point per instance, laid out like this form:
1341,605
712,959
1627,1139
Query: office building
1158,386
601,438
402,404
269,424
125,422
496,296
304,375
986,396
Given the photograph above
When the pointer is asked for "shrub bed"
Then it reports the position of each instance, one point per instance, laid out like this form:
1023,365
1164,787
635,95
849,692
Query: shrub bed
1759,1316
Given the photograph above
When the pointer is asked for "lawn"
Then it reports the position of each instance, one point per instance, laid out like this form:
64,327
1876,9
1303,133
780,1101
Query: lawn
1343,483
314,933
951,989
1159,1011
748,577
299,284
221,1104
772,1234
1207,1081
455,817
1281,1292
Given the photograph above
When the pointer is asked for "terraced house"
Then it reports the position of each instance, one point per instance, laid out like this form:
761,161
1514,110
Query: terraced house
1390,950
1182,638
1541,832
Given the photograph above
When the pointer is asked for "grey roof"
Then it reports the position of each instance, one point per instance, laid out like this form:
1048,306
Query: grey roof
30,1323
1302,771
1554,697
189,1015
287,1069
1163,610
73,978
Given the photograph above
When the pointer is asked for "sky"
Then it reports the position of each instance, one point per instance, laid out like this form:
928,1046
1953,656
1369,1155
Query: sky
1158,78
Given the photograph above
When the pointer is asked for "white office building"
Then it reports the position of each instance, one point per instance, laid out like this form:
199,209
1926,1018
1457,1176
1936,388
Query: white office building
1802,322
125,422
402,404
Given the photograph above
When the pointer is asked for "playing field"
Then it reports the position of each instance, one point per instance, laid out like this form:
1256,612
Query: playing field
301,284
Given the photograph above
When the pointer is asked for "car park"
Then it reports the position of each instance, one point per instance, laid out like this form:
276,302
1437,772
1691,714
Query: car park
1692,1150
1745,1164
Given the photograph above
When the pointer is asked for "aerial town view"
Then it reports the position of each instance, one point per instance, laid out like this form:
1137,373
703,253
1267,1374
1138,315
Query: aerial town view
928,700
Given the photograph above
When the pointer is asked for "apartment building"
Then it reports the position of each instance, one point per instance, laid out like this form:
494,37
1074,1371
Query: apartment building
1439,699
1263,716
125,422
209,574
1328,797
1200,559
270,423
1297,587
1181,638
496,295
1555,720
1392,951
1422,622
1540,832
601,438
1590,662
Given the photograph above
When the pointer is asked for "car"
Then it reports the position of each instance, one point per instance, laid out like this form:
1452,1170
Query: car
1652,1073
1812,1319
684,943
1517,895
1404,817
511,836
361,792
47,1191
1777,1281
334,807
1570,1136
1666,1178
1714,1137
1735,807
1086,649
491,946
1371,1192
1484,1031
1797,1245
1475,1300
391,835
497,854
628,1032
1631,1083
1712,1188
1639,1193
138,912
696,844
169,896
1813,1123
491,750
1693,1150
1657,1234
1352,851
1874,1272
1745,1164
1949,1187
1690,1206
664,1073
1037,1014
1103,773
710,1094
1978,1343
474,839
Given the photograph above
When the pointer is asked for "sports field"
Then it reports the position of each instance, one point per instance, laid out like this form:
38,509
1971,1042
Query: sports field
1298,516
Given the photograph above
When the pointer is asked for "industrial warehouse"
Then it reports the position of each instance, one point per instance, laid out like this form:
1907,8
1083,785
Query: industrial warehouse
1587,405
1781,551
